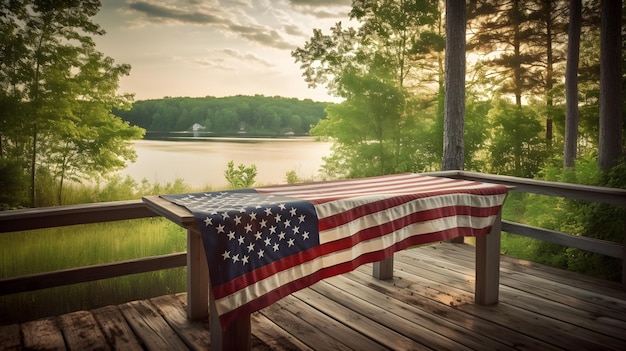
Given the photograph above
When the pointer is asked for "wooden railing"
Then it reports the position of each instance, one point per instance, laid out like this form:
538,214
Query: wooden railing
19,220
566,190
48,217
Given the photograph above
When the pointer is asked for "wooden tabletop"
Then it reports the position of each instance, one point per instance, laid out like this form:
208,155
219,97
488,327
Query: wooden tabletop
169,210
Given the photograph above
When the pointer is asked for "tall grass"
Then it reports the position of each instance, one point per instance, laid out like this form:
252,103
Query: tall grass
50,249
37,251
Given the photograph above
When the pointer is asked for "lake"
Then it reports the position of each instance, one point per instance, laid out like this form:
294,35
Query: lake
201,161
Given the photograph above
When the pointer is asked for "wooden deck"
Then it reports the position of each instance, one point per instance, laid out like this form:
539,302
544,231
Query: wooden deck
427,305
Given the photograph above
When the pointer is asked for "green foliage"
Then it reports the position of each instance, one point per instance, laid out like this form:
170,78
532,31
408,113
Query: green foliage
600,221
291,177
58,91
516,148
380,128
241,177
13,185
252,115
113,188
31,252
582,218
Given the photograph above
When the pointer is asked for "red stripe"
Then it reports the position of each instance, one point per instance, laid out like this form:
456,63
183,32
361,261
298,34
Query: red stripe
347,242
366,186
342,218
397,224
263,272
342,268
409,186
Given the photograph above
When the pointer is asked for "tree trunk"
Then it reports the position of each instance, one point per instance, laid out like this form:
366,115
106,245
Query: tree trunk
610,129
33,168
571,83
549,72
454,109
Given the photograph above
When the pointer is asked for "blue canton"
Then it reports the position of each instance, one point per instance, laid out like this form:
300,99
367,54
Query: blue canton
243,230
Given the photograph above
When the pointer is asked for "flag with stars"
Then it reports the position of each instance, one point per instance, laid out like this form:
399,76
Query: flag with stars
262,244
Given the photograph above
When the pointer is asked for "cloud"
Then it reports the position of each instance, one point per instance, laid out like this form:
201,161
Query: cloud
226,16
326,3
264,36
249,58
230,60
164,13
322,9
294,30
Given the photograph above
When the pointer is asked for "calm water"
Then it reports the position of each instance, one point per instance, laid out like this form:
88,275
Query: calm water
202,162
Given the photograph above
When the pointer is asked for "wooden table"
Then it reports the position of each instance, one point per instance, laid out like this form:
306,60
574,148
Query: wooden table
237,335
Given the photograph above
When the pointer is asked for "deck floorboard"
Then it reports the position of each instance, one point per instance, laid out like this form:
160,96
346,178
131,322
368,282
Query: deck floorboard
428,305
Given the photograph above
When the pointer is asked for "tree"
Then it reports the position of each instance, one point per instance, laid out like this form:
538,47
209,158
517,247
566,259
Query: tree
571,83
550,32
611,119
504,26
523,42
371,67
454,111
61,93
391,32
516,146
368,126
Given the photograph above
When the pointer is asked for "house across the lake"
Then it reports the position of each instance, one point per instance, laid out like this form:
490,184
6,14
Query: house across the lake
197,127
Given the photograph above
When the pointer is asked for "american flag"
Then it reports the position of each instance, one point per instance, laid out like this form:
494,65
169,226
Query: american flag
265,243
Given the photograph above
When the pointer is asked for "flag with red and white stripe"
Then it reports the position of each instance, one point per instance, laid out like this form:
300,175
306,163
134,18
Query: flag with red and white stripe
265,243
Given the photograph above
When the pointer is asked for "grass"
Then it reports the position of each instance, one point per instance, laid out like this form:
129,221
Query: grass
36,251
51,249
30,252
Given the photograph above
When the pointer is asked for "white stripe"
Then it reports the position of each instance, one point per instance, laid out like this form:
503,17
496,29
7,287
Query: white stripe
262,287
363,188
345,205
386,189
391,214
346,183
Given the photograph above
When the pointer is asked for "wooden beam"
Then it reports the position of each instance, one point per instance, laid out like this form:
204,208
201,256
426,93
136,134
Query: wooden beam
612,196
487,287
603,247
383,270
197,277
238,335
57,216
90,273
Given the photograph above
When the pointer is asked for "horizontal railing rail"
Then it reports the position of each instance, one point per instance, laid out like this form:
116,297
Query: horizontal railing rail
57,216
37,218
611,196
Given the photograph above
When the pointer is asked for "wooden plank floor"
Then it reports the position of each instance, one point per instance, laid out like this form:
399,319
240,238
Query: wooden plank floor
428,305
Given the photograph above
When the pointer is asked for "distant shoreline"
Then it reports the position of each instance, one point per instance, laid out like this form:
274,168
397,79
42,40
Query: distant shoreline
208,136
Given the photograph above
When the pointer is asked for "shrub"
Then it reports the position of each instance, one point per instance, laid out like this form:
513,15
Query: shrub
242,177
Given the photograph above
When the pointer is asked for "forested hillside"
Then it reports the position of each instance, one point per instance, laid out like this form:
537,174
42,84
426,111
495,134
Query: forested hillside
254,115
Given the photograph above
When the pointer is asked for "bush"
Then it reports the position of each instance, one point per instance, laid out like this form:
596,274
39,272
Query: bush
13,184
242,177
583,218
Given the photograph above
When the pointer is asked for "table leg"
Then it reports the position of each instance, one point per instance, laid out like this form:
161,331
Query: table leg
488,265
238,336
383,269
197,277
201,304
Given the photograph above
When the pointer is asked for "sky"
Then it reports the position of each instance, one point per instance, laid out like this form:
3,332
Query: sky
200,48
